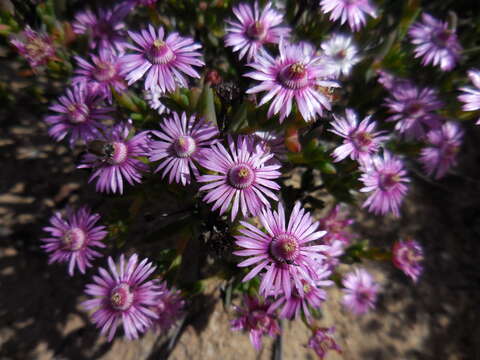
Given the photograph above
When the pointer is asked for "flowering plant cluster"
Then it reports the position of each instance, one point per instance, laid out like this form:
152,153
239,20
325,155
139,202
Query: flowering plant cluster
213,111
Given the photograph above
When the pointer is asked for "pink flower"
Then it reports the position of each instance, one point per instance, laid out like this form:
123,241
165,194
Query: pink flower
335,224
272,142
390,82
312,295
361,140
413,109
407,256
353,11
72,239
163,61
102,74
242,179
254,28
342,53
471,96
105,27
79,112
296,75
385,178
182,143
442,148
282,251
334,250
114,157
169,306
256,317
435,43
122,295
322,341
360,292
37,47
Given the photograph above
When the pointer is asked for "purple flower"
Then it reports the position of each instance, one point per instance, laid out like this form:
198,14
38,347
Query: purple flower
272,142
360,292
123,296
322,341
412,108
361,139
471,96
334,250
312,296
72,239
182,143
341,52
105,27
79,113
282,250
37,47
153,97
243,179
254,316
254,29
114,158
407,256
294,75
390,82
164,61
353,11
168,306
335,224
102,75
435,43
384,178
441,152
